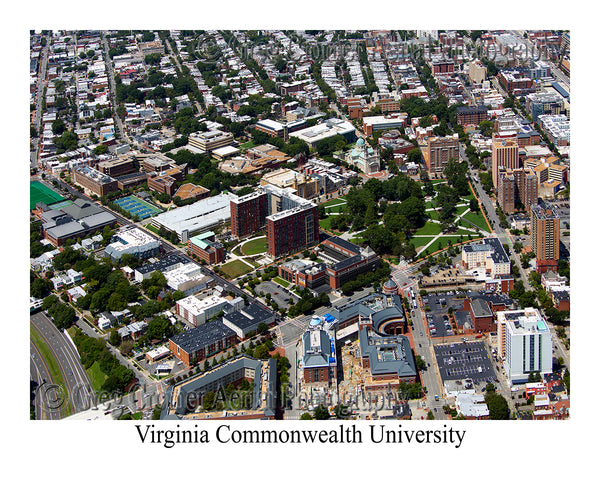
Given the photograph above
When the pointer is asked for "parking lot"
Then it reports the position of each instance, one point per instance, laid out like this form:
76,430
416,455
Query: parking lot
438,320
279,294
459,361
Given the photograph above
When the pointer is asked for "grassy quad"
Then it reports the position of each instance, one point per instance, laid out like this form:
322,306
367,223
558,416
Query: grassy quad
254,247
235,269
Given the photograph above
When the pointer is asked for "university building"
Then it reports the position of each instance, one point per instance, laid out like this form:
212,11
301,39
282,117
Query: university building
291,222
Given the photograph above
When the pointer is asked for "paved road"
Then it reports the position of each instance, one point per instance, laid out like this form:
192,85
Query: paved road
42,386
39,95
429,377
78,387
110,73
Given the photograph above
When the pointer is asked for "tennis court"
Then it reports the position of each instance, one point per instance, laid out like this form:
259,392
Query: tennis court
136,206
41,193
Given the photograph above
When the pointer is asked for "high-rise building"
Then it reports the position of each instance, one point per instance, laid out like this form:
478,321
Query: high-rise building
293,229
518,186
439,152
524,343
292,222
505,153
248,213
545,231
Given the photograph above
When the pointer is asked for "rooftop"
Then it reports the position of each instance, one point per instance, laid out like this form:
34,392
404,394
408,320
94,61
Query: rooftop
202,336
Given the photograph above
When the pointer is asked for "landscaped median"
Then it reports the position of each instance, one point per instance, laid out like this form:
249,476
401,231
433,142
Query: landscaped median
54,368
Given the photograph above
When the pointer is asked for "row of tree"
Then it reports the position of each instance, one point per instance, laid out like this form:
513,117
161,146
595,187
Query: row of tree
94,350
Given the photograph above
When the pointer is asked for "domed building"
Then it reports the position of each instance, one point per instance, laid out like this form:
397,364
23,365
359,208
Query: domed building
390,287
365,157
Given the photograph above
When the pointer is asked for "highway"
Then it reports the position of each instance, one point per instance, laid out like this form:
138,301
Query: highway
79,391
42,386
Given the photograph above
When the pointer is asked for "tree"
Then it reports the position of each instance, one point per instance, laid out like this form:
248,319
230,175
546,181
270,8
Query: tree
262,328
474,205
306,416
40,287
321,413
100,149
114,338
497,405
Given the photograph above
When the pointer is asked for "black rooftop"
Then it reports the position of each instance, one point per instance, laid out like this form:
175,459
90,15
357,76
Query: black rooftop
164,262
202,336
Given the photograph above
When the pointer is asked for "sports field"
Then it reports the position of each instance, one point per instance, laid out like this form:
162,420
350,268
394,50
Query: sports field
136,206
41,193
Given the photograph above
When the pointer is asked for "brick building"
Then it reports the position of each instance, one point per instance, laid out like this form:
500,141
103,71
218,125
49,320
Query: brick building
545,231
249,213
94,181
517,187
471,115
438,153
292,230
505,153
117,166
205,247
202,342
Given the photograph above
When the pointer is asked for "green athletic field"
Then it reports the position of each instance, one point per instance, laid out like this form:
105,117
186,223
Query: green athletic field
41,193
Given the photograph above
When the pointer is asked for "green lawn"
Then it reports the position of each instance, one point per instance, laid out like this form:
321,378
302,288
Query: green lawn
235,269
336,205
253,247
97,376
420,241
247,145
325,224
334,201
430,228
477,219
433,214
151,227
460,210
282,282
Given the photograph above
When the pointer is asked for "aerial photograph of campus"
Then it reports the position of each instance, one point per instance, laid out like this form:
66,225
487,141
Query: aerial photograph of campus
299,225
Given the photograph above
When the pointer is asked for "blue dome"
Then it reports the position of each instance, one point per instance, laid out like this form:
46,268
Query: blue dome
360,142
